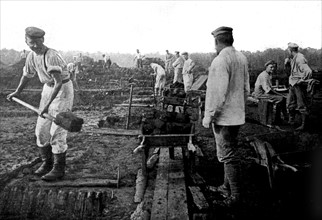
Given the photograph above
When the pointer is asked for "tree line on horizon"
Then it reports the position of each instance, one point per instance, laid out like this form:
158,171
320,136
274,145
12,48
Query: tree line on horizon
256,59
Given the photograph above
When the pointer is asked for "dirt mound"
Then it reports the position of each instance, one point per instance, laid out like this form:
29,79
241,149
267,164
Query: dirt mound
10,75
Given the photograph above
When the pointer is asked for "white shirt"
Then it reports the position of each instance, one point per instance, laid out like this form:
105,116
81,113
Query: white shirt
187,66
45,63
227,88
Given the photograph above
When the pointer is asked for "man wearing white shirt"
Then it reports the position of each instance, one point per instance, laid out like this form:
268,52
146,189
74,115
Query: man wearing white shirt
187,74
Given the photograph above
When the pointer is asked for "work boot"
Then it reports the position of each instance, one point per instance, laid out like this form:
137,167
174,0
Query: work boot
223,190
302,127
47,158
58,170
233,172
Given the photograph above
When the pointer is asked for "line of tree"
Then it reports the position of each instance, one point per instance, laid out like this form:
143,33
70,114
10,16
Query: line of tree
256,59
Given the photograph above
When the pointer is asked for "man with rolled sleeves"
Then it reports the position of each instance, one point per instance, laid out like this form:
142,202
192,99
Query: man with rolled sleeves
264,90
300,73
187,74
226,95
57,96
178,65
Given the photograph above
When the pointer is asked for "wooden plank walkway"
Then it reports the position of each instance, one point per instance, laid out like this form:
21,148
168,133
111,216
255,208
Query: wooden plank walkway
170,196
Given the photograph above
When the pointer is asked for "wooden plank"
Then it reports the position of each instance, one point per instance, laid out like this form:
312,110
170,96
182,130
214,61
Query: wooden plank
177,195
82,183
160,198
198,198
199,82
134,105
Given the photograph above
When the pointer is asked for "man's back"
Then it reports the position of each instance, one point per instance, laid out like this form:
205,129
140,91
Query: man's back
228,87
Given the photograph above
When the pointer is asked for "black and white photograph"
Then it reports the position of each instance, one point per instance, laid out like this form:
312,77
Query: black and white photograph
160,110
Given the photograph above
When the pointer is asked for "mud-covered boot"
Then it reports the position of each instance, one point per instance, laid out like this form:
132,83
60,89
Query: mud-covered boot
58,170
233,172
302,126
47,158
223,190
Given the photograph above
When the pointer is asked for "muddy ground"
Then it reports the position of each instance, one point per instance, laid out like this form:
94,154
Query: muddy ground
93,155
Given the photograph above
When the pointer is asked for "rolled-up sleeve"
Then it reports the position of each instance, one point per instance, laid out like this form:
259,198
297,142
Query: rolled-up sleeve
217,85
55,63
29,69
304,67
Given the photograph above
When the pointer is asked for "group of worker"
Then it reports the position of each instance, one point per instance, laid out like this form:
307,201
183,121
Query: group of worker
227,91
183,67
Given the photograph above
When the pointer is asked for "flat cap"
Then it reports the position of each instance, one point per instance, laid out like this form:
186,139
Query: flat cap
34,32
184,53
222,30
269,62
292,45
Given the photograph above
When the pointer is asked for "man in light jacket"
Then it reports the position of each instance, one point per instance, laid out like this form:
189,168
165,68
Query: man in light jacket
226,95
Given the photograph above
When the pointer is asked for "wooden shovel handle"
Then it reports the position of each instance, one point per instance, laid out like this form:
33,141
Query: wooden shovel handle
48,116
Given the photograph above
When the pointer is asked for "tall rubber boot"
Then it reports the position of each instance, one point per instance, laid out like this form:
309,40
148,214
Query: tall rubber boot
47,158
233,172
58,170
302,127
224,189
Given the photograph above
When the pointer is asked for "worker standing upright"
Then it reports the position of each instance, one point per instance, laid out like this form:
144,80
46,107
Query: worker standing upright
168,61
226,95
297,96
178,66
187,74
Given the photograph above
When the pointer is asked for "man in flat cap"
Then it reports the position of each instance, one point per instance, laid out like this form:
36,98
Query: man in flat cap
226,95
178,66
299,74
264,90
187,74
57,96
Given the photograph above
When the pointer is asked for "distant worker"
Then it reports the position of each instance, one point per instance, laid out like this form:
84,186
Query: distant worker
57,96
264,90
71,68
178,66
160,78
138,59
187,74
299,75
23,55
108,62
168,61
79,61
226,95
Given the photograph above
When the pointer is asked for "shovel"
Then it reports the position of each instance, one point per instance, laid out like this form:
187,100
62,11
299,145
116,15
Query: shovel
66,120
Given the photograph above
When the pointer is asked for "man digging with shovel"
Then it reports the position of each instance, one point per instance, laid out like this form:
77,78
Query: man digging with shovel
57,97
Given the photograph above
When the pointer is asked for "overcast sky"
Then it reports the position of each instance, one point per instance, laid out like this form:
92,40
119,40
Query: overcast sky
154,26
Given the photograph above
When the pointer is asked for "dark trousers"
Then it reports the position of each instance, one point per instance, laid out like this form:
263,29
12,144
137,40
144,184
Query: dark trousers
297,99
226,142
